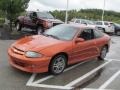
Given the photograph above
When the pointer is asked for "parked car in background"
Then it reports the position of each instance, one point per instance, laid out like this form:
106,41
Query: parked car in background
38,21
81,21
105,26
117,28
58,47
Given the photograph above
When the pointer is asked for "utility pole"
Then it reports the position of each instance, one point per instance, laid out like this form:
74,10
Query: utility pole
66,16
10,12
103,11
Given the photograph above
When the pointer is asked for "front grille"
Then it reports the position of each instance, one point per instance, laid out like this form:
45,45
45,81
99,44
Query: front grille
17,51
17,62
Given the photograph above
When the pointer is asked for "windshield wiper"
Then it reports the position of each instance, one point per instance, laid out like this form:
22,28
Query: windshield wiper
54,36
43,34
47,35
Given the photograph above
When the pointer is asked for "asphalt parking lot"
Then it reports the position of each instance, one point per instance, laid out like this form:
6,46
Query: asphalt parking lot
87,75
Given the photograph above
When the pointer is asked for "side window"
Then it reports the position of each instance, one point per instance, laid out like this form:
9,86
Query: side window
33,15
77,21
98,34
106,23
99,23
87,34
83,22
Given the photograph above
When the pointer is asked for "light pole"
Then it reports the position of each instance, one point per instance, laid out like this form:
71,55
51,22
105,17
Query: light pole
10,13
66,16
103,11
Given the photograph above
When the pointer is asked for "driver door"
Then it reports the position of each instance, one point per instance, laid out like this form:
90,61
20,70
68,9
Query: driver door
86,49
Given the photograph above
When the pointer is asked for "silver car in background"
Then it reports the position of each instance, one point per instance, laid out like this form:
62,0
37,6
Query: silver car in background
81,21
105,26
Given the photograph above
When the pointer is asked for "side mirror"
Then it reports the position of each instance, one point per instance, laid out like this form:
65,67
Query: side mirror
79,40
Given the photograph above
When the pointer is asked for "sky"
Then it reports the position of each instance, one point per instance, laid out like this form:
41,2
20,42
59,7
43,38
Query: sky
49,5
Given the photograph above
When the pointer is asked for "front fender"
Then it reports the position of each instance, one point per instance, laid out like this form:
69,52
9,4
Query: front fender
51,51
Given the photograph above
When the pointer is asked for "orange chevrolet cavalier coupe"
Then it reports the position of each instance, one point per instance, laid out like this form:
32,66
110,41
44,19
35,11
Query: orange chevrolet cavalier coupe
58,47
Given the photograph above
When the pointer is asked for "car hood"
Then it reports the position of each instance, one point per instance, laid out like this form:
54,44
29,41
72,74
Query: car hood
36,43
54,20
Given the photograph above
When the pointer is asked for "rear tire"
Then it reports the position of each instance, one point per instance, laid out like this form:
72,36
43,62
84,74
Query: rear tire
103,30
18,26
117,33
57,64
103,53
39,30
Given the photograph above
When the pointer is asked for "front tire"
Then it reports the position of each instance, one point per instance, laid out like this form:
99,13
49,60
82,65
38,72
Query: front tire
103,53
58,64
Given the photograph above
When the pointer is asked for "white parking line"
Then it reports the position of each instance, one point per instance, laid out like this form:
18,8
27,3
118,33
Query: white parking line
43,79
94,89
50,86
112,59
33,83
31,79
86,75
37,83
51,76
109,80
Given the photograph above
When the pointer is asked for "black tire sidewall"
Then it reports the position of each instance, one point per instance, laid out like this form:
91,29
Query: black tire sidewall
103,30
39,29
20,26
100,57
117,33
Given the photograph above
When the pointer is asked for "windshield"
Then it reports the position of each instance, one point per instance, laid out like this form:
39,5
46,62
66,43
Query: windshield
98,23
45,15
62,32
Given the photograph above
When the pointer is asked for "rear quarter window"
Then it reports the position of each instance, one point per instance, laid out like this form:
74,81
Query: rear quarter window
98,34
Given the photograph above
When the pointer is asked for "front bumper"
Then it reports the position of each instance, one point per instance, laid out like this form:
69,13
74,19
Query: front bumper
32,65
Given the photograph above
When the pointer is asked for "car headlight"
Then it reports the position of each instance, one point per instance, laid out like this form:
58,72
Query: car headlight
32,54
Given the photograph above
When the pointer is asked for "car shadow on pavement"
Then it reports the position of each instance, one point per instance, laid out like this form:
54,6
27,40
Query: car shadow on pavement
91,79
6,34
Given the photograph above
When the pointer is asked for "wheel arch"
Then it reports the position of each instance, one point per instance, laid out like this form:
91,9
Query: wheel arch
60,53
106,45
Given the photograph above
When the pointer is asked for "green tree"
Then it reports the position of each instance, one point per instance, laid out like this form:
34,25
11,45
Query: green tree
12,8
91,14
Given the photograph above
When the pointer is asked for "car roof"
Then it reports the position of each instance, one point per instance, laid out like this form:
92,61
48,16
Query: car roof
105,21
81,26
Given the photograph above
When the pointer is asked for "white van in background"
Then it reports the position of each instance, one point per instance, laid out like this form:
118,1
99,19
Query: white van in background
105,26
